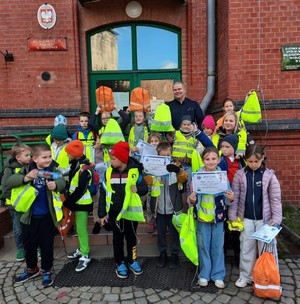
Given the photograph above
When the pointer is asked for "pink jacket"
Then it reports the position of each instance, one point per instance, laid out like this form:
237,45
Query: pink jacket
272,207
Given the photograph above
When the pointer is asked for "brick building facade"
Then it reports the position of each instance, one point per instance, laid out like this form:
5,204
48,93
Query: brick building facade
249,37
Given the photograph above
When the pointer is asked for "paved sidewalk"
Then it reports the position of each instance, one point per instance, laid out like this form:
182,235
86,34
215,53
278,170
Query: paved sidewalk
32,291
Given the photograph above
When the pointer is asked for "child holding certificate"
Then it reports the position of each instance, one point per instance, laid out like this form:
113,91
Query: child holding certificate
257,201
211,214
166,199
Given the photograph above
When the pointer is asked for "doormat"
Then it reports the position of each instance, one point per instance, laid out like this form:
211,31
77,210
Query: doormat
102,273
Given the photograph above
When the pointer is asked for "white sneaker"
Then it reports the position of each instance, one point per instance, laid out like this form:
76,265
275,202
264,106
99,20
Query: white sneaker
203,282
75,255
83,263
241,283
219,284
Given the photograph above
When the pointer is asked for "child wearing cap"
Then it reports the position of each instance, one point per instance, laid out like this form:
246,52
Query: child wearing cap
208,127
231,164
122,187
59,120
79,200
184,147
59,137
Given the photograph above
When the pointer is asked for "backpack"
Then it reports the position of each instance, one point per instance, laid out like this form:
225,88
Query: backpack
266,276
94,186
105,99
140,100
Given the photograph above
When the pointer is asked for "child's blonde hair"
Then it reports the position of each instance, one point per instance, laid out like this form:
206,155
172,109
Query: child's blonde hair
154,134
17,149
235,117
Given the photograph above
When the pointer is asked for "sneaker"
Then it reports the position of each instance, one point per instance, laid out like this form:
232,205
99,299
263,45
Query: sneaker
75,255
27,274
122,271
83,263
135,267
47,279
220,284
20,255
241,283
97,228
202,282
174,261
162,260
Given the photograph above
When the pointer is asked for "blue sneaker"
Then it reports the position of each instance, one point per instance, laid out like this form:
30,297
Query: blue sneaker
122,271
135,267
47,279
27,274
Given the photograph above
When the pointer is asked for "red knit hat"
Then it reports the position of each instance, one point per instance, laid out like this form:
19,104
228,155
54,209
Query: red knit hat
209,122
75,148
121,151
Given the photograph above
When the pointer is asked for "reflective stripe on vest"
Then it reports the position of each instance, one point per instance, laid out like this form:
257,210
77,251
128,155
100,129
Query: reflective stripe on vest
155,189
183,147
132,206
62,158
89,150
109,190
57,204
22,197
86,199
131,138
206,208
9,202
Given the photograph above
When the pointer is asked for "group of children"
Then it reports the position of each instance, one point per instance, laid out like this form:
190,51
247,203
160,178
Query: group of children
253,196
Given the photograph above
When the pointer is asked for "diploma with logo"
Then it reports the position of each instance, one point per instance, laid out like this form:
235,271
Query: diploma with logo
213,183
145,148
266,233
156,165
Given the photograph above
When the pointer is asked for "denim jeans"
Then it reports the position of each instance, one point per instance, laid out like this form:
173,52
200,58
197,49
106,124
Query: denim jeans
210,240
17,228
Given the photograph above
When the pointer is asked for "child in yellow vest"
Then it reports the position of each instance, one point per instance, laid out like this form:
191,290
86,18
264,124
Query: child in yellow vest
20,158
59,136
116,205
211,214
87,135
79,200
166,199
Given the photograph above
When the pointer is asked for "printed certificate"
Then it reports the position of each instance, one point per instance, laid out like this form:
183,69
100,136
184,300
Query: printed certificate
156,165
266,233
145,148
210,182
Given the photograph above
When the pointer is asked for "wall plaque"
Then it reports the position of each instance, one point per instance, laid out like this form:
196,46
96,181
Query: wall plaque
290,58
47,44
46,16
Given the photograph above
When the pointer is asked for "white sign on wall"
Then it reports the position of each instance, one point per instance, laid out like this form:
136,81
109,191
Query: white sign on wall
46,16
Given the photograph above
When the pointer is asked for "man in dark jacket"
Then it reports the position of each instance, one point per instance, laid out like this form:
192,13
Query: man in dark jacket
181,105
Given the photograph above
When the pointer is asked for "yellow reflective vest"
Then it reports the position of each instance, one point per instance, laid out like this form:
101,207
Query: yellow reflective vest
86,199
131,138
183,147
132,209
89,150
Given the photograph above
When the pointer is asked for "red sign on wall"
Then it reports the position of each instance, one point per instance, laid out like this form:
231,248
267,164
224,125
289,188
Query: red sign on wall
47,44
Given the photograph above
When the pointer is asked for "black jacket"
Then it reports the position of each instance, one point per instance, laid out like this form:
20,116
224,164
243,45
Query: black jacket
119,188
84,178
187,107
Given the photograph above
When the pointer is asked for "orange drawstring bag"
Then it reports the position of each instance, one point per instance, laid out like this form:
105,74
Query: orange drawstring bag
105,99
140,100
266,276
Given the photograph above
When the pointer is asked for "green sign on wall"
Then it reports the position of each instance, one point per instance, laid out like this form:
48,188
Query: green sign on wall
290,58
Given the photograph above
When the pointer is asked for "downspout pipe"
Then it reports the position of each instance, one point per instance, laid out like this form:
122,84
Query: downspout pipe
211,55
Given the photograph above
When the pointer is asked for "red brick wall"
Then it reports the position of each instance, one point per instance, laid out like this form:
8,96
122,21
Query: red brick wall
21,86
256,32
